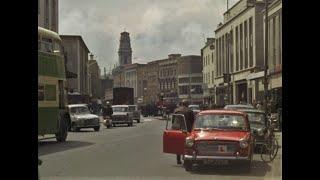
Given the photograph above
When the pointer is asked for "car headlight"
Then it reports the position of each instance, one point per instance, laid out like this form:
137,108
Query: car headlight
189,142
243,143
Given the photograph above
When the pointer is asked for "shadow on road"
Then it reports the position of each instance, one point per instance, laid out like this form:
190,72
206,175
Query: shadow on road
124,125
49,147
259,168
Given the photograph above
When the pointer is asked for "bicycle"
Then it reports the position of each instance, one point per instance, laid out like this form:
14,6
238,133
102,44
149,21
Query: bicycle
270,148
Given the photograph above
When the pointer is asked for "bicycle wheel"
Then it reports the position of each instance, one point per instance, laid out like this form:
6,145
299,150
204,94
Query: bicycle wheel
265,153
274,149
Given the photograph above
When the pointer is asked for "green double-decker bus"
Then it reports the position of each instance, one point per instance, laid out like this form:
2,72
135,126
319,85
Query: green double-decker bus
53,118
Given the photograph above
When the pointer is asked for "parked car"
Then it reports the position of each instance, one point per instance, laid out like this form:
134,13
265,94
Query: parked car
136,112
122,115
219,137
81,117
239,106
258,124
195,108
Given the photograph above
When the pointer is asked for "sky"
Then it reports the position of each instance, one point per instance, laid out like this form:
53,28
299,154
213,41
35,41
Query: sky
157,27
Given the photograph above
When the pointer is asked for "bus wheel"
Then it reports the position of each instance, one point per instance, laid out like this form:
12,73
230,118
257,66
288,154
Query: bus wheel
62,134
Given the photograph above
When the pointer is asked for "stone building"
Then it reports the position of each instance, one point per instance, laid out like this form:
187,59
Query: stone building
275,53
77,53
208,60
48,11
168,87
239,52
189,79
125,52
132,75
152,90
142,83
94,71
118,75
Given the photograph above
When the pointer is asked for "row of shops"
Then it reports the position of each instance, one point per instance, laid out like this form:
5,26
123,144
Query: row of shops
246,91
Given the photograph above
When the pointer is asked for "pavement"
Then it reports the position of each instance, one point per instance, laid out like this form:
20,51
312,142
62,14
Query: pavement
132,153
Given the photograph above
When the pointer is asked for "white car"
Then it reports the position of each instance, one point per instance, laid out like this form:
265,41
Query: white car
81,117
136,112
122,115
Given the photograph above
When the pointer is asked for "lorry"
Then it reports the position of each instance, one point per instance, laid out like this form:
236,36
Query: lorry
123,96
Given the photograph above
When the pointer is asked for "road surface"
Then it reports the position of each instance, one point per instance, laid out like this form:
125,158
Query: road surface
132,153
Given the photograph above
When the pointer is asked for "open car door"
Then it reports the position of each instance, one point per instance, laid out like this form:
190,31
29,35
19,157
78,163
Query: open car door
175,134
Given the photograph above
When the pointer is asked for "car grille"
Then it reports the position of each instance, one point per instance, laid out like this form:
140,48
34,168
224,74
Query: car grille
89,122
119,118
211,148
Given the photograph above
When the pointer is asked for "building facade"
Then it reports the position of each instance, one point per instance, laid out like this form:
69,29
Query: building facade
48,11
208,60
142,83
77,53
275,54
125,51
118,76
189,79
239,53
152,90
94,71
168,76
107,84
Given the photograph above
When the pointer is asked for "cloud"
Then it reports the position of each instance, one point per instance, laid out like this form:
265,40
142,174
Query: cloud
157,28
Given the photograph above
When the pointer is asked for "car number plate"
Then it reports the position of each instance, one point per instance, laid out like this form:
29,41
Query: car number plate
222,148
217,161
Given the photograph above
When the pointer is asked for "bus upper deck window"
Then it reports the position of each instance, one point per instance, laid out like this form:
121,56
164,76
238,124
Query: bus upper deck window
47,43
57,48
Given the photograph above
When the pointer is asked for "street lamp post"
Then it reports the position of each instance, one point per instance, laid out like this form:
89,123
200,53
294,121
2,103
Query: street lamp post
266,58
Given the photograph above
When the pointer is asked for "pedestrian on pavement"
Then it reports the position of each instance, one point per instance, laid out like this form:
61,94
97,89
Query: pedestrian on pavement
254,103
189,118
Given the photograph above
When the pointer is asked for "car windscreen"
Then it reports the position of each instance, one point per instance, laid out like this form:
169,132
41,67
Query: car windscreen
194,108
220,121
257,118
120,109
80,110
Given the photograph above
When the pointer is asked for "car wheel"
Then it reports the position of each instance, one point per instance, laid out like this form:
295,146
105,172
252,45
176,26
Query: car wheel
96,128
138,120
108,126
114,125
187,165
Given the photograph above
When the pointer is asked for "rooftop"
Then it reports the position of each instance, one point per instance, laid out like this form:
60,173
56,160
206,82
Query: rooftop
77,37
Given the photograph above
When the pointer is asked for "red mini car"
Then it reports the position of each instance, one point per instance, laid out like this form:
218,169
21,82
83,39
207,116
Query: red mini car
218,137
